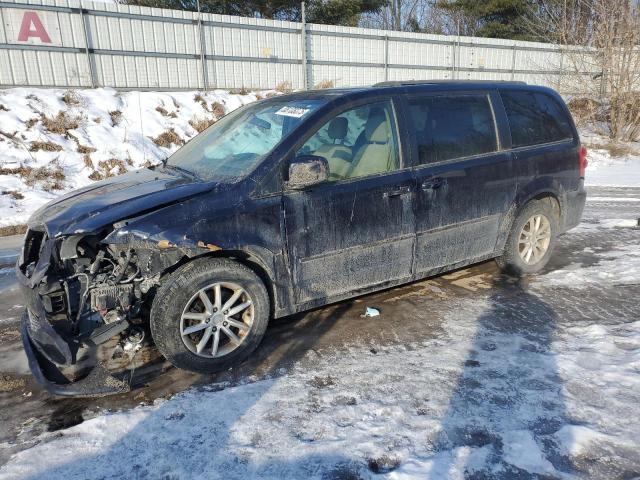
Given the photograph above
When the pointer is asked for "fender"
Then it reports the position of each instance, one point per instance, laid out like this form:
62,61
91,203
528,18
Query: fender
544,186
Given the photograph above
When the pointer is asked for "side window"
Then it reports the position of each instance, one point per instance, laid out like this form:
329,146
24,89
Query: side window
358,142
535,118
449,127
554,117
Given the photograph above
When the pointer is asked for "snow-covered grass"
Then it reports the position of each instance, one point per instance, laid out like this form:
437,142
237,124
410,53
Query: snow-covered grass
611,164
53,141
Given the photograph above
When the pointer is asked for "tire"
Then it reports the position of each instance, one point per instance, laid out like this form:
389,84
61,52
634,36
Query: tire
180,297
511,261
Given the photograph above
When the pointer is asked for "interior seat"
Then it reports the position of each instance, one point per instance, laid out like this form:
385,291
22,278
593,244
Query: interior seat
337,154
376,154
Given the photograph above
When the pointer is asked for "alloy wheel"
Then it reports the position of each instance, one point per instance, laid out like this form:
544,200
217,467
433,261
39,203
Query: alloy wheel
217,319
534,239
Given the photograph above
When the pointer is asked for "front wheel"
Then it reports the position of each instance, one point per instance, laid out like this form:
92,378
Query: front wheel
531,240
209,315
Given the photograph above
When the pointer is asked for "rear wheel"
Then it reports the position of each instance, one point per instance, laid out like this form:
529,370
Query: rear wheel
531,240
209,315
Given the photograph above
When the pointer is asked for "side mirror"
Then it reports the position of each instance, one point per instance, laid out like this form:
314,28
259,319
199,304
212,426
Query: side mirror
307,170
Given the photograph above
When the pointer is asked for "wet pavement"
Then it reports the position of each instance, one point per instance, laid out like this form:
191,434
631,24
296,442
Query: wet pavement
26,411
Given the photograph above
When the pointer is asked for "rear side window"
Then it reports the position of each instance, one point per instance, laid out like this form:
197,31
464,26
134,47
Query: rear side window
448,127
535,118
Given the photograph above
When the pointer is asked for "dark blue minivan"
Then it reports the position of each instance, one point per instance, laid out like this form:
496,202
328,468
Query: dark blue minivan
290,203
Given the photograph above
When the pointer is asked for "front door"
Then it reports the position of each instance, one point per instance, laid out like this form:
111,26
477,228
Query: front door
357,229
465,184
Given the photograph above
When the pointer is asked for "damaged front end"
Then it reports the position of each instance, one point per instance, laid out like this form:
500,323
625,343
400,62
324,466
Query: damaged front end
87,302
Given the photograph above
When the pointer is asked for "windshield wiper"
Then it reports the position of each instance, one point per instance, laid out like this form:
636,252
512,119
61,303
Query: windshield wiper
188,173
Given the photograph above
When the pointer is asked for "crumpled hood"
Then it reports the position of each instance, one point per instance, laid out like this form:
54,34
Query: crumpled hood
103,203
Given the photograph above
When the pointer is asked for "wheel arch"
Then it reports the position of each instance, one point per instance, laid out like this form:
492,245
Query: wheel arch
546,194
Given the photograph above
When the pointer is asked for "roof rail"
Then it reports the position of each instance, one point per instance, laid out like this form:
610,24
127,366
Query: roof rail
397,83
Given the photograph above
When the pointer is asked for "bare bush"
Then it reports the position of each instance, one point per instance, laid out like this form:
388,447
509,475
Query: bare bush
168,138
48,178
324,84
201,124
13,194
162,111
116,117
45,146
87,161
218,109
61,123
284,87
13,230
600,57
71,97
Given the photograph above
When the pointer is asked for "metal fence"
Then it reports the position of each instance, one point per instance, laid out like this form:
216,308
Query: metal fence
73,43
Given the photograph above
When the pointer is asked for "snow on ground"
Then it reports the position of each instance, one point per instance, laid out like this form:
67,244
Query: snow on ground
612,165
495,394
103,132
54,141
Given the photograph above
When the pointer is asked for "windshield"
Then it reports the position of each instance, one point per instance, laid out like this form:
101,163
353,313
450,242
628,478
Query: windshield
237,143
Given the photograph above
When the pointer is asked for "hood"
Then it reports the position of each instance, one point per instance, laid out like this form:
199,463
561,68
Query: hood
103,203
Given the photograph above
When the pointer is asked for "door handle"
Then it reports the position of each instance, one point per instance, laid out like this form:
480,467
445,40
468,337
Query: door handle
432,183
396,192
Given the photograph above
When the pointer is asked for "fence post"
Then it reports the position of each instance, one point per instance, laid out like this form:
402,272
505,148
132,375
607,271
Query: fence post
85,29
303,39
513,62
203,57
386,58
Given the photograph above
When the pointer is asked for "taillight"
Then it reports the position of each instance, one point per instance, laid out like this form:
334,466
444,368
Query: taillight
583,161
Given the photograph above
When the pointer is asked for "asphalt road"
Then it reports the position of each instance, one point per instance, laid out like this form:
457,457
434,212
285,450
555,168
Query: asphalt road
26,411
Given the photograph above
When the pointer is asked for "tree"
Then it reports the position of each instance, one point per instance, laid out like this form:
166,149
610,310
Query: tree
600,57
492,18
333,12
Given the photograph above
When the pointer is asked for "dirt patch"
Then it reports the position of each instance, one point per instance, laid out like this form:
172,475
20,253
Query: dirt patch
31,122
322,382
9,383
201,124
383,464
12,230
168,138
14,194
61,123
45,147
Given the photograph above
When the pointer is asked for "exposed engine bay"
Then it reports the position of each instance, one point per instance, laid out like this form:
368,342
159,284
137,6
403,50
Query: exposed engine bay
93,292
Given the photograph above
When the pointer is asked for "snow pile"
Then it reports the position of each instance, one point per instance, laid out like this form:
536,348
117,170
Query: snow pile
497,394
611,164
54,141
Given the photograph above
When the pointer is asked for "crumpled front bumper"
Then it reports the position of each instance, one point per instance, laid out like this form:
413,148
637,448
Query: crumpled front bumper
46,351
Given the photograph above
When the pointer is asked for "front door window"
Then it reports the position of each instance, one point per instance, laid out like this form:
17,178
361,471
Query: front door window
359,142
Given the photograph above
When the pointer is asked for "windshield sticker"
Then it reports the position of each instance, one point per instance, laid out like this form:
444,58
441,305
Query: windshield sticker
295,112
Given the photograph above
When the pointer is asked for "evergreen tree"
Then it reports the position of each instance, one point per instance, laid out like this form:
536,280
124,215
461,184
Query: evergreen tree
331,12
495,18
